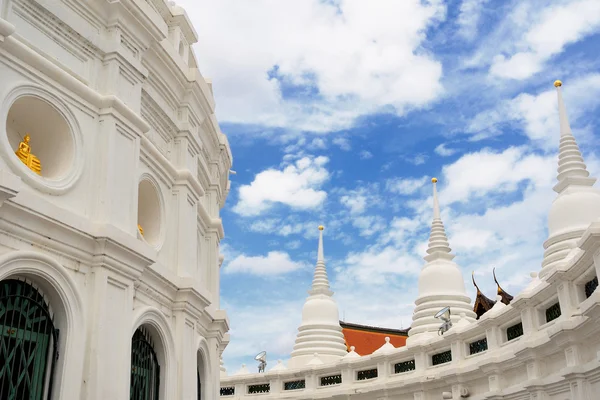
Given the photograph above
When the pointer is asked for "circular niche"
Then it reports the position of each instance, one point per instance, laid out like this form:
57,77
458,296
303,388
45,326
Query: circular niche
149,213
51,140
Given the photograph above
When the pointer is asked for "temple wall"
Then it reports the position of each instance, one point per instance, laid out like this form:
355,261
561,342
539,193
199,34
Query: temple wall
123,125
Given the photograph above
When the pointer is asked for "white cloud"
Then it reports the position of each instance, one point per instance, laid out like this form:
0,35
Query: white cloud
552,30
358,56
444,151
368,225
275,263
342,142
365,155
468,17
417,159
538,113
405,186
297,186
479,174
376,264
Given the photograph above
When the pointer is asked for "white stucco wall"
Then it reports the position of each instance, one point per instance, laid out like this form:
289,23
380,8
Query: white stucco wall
110,102
556,360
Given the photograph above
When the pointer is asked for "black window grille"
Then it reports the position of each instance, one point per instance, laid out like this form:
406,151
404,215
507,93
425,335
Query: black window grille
366,374
145,371
228,391
262,388
294,385
404,366
441,358
590,287
28,342
331,380
478,346
199,385
515,331
553,312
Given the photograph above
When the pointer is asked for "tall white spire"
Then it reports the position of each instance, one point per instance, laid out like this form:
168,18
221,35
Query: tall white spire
438,241
320,331
320,283
571,167
441,283
577,203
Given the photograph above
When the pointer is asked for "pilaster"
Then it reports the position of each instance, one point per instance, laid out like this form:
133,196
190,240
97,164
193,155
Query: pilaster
185,215
109,336
114,185
567,297
185,342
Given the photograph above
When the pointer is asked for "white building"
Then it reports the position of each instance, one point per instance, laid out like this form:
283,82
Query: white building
543,345
109,257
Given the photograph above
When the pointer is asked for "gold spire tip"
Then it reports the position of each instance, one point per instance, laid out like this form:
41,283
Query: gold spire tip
557,83
433,180
321,227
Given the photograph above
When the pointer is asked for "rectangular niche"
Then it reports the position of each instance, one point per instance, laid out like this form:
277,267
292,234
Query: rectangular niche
553,312
441,358
228,391
331,380
478,346
404,366
366,374
514,331
294,385
590,287
262,388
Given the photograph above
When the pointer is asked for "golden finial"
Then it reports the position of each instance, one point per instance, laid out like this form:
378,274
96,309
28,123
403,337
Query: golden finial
321,227
557,83
433,180
141,230
30,160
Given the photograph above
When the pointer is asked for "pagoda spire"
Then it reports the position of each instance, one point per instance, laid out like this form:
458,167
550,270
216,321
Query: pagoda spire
578,201
320,283
320,331
571,167
440,283
438,241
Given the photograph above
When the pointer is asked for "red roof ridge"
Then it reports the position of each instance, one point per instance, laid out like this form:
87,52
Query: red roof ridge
391,331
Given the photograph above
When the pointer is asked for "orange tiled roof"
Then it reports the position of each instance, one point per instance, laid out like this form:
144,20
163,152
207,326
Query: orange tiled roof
367,339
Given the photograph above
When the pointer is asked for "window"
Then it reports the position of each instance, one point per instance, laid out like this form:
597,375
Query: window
553,312
145,371
294,385
366,374
28,342
590,287
514,331
228,391
478,346
404,366
262,388
441,358
331,380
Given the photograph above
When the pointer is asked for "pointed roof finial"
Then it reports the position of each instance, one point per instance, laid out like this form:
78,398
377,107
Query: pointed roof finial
571,167
320,284
506,298
438,242
436,204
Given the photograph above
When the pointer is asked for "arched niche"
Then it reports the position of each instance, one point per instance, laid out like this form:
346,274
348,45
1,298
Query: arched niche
203,371
154,323
55,138
53,281
150,212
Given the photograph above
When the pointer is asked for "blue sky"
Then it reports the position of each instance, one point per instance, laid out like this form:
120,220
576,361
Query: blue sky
339,112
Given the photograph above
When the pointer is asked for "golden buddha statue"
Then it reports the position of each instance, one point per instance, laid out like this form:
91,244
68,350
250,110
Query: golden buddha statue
141,230
30,160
